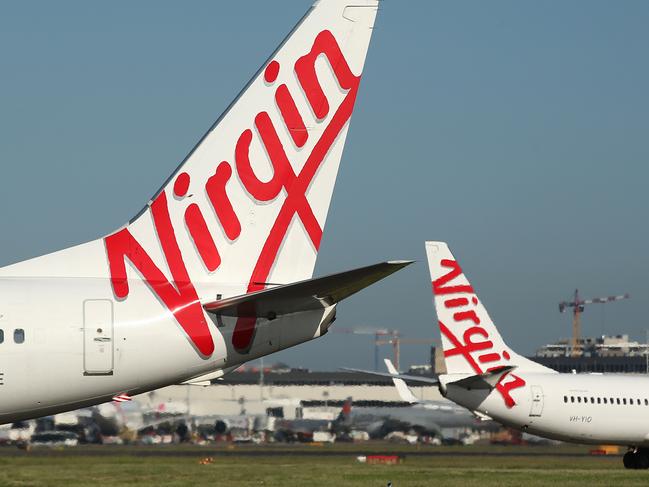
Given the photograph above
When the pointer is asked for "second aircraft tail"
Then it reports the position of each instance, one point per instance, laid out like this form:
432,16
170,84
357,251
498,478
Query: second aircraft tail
470,339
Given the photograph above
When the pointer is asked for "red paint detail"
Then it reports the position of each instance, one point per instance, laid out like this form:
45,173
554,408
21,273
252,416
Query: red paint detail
182,184
474,300
468,347
179,296
202,237
260,190
291,116
489,357
245,330
467,315
271,72
324,44
460,349
505,387
439,285
505,354
296,186
295,203
456,303
215,188
246,325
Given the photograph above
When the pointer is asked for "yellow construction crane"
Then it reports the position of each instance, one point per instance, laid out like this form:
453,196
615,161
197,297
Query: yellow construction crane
577,304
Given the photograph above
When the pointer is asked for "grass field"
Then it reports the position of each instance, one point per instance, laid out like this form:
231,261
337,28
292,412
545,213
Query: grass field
308,465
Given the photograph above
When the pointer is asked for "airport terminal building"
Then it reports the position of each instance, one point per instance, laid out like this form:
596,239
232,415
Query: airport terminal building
295,392
290,392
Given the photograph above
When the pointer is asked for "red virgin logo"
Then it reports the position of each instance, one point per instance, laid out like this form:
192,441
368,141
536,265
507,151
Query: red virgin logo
474,345
179,295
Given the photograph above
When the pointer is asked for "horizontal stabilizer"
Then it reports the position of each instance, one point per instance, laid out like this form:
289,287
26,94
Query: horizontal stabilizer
488,380
310,294
411,378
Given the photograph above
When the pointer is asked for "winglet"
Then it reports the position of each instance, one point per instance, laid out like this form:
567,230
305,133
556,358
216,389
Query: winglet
404,391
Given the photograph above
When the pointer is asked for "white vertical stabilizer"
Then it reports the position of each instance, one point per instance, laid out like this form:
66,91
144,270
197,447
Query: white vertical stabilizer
470,339
248,205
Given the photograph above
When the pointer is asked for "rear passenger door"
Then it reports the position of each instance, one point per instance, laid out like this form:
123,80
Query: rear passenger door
536,408
98,337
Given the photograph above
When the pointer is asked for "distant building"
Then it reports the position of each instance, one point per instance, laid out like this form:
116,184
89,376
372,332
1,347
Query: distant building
284,391
615,354
604,346
612,364
437,360
611,354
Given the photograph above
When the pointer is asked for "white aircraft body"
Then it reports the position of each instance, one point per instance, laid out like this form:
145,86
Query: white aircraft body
216,269
488,377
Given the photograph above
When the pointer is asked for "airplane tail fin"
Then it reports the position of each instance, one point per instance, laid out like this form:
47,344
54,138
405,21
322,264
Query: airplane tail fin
404,391
346,411
247,207
249,203
470,339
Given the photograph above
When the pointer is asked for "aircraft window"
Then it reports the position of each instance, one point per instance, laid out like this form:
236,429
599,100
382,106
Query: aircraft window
624,401
19,335
599,400
605,402
646,402
565,398
572,398
592,400
2,335
585,399
631,402
578,398
618,400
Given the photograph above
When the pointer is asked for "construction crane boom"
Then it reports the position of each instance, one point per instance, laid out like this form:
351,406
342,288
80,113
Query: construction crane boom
577,304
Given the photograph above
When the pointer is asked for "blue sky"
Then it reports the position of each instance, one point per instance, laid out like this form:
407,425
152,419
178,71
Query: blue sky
514,130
